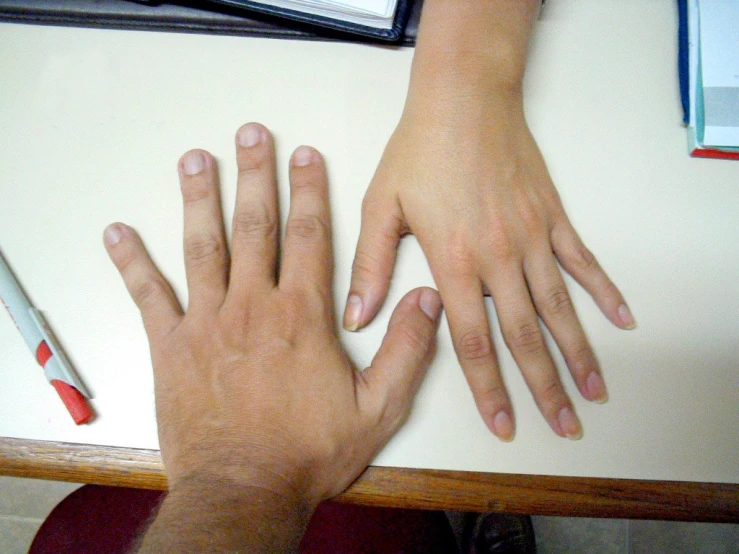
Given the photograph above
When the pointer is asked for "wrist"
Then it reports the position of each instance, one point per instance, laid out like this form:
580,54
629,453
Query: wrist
210,485
467,110
474,47
260,461
204,512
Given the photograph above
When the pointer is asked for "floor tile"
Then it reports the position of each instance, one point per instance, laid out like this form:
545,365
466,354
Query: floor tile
31,498
16,534
570,535
648,537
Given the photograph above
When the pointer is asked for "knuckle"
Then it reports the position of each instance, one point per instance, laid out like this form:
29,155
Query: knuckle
500,242
525,337
475,344
252,160
308,227
490,392
611,289
308,178
305,182
550,394
368,265
584,259
236,321
415,337
148,292
253,224
313,300
531,218
304,305
463,263
557,302
461,258
195,190
382,218
551,198
202,249
123,260
583,359
251,168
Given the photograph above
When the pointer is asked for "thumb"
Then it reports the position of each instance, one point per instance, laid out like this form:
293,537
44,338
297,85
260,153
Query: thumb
406,351
382,227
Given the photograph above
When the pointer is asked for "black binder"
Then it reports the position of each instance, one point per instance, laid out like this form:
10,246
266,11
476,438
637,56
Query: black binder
191,16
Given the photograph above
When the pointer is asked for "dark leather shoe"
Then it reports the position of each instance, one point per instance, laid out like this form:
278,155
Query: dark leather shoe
501,533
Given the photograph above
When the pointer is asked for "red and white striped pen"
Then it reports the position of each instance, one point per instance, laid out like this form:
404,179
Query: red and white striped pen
45,347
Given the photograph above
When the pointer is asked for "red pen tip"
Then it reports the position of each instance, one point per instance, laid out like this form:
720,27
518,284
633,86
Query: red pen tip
76,404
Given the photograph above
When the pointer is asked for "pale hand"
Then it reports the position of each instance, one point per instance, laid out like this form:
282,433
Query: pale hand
465,176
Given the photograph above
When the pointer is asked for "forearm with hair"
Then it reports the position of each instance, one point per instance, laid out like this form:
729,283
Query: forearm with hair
208,515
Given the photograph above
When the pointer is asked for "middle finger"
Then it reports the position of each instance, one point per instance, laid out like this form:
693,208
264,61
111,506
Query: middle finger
255,225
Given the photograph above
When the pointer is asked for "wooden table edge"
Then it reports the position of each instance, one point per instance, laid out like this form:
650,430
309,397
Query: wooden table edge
408,488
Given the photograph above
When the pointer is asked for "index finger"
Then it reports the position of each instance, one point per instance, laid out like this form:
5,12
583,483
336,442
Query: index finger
580,262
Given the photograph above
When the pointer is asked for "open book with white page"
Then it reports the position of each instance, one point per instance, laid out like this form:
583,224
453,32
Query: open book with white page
382,19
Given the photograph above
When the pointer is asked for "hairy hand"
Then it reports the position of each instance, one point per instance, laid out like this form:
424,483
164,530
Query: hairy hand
252,384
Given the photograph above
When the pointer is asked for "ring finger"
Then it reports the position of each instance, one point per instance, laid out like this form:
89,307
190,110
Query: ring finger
520,325
554,305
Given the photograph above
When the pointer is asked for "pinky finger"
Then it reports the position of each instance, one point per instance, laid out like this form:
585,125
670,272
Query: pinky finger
148,288
580,262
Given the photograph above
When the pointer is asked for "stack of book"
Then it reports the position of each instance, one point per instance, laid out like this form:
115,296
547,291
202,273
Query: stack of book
709,76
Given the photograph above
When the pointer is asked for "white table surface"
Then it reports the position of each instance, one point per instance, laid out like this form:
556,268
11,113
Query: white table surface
92,123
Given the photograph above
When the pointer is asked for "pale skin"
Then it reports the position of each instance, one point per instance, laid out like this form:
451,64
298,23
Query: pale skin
261,414
463,173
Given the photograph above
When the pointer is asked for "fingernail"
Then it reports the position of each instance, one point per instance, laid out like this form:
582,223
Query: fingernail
353,312
430,303
503,426
596,388
570,424
626,318
303,156
193,163
250,135
112,235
